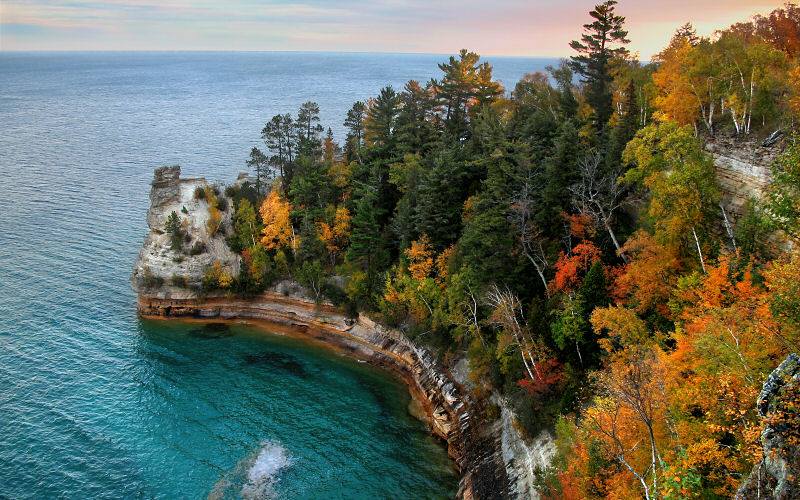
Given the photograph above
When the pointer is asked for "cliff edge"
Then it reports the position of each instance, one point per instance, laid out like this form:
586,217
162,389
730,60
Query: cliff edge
777,475
168,284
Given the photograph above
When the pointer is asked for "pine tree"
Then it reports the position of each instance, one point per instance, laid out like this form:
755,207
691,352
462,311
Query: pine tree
259,162
560,172
601,43
172,226
380,120
279,136
416,130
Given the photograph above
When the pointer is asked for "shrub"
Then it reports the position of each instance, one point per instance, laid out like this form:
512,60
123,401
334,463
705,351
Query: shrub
150,280
184,210
216,277
312,276
222,203
199,193
214,220
198,248
231,191
178,280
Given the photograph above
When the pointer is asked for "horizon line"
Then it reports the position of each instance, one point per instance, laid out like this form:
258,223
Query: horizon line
283,51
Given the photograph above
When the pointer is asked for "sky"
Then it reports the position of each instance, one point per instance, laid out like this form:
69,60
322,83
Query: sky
489,27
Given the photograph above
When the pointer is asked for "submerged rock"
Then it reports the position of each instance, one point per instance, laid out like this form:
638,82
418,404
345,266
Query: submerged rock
475,445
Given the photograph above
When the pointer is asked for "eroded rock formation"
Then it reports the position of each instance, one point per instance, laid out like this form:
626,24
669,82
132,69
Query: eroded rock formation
743,169
158,263
475,445
777,475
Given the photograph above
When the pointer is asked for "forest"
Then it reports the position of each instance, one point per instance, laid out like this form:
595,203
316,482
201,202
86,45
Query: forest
567,237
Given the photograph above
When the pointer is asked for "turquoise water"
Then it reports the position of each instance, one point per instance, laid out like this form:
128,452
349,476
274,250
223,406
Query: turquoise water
95,403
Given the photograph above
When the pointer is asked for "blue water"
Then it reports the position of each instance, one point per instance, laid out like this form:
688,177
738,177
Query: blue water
96,403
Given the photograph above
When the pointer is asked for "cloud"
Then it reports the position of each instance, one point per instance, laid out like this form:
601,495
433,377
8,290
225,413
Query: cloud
514,27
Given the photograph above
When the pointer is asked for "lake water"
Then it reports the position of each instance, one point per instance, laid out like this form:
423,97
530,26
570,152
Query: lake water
96,403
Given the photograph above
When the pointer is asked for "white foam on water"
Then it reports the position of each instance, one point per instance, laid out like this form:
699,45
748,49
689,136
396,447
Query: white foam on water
257,474
263,472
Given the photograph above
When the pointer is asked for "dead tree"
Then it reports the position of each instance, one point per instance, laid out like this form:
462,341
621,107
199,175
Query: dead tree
599,195
507,313
530,236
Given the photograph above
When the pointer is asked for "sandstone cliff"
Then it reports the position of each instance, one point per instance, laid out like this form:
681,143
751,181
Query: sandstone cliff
491,461
743,169
158,263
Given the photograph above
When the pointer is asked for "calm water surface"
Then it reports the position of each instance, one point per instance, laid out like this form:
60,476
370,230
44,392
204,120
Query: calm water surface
95,403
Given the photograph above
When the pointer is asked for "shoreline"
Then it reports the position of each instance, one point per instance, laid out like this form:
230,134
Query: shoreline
323,342
446,408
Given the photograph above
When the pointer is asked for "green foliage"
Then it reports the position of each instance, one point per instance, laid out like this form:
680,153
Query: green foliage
179,281
174,229
150,280
601,44
560,172
246,227
312,276
783,195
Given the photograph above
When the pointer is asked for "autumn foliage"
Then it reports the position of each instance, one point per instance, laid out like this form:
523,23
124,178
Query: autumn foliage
277,232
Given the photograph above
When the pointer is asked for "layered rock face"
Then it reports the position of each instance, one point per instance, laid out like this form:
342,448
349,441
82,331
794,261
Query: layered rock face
158,263
452,414
777,475
493,460
743,170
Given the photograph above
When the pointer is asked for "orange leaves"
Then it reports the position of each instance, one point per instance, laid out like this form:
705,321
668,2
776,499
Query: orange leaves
570,268
580,225
420,258
645,282
335,235
443,263
277,232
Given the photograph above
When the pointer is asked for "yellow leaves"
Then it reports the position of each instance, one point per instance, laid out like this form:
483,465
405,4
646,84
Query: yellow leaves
335,235
214,220
217,277
214,215
624,327
420,258
676,99
277,232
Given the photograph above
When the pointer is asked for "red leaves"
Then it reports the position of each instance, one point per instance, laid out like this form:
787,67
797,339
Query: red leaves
550,374
570,267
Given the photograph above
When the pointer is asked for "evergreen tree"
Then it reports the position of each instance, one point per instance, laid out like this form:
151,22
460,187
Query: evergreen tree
441,197
308,129
354,121
464,80
567,104
381,117
279,135
601,43
367,248
560,172
259,162
172,226
416,129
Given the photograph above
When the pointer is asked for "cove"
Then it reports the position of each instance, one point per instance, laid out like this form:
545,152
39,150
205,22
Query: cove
276,416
